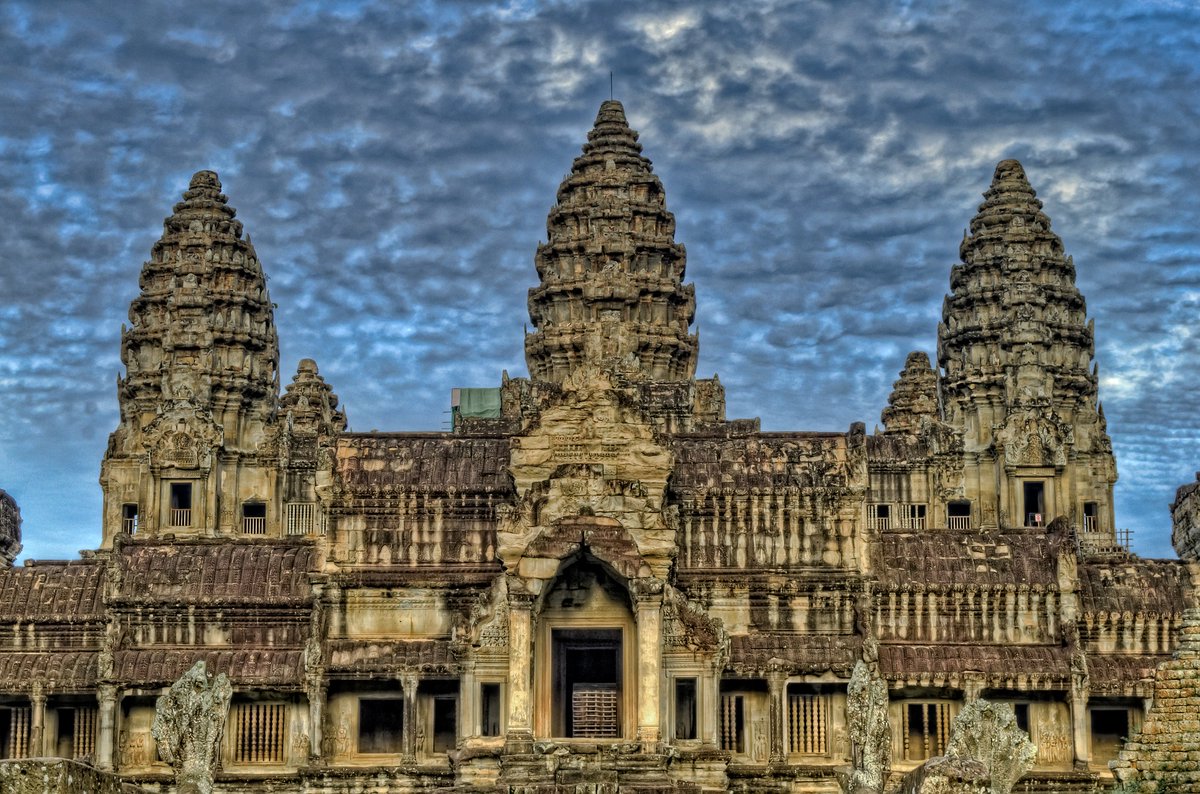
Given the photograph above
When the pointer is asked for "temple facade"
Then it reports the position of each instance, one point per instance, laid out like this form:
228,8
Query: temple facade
596,581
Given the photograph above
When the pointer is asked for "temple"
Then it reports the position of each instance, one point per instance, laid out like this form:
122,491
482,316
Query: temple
596,581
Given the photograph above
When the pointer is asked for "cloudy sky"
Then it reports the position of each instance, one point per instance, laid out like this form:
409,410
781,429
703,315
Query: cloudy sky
394,163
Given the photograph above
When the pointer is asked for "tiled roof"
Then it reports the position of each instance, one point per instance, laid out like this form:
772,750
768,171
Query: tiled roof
71,670
218,572
67,592
385,655
428,461
1115,669
798,653
757,461
955,557
164,666
901,661
1134,585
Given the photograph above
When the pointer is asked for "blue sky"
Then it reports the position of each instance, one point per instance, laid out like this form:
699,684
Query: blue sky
394,164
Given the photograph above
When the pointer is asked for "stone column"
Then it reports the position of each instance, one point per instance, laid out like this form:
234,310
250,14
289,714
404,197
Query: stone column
37,721
648,614
107,728
1078,699
409,739
709,707
317,692
777,689
520,672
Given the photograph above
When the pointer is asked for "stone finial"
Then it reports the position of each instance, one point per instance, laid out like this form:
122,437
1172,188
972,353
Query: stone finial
612,291
310,403
188,722
870,731
1014,323
202,328
913,402
10,528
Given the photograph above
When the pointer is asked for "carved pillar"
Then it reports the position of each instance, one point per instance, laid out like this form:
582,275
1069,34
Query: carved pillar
647,606
972,686
710,704
108,724
1079,724
409,739
37,721
777,691
520,671
318,691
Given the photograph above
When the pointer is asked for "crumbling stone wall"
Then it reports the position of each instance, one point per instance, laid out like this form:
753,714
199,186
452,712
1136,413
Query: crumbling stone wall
59,776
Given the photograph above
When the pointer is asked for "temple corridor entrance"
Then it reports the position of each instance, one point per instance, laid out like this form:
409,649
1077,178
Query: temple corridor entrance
587,683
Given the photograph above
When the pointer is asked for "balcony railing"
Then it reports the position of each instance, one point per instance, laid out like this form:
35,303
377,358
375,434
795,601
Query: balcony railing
130,526
254,525
879,522
958,522
301,518
181,516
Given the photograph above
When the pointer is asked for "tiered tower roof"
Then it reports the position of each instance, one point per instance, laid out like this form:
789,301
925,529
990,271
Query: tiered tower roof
1014,325
203,328
611,272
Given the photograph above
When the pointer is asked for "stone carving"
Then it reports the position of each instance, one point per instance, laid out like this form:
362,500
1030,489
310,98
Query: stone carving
870,731
914,400
988,732
188,723
10,528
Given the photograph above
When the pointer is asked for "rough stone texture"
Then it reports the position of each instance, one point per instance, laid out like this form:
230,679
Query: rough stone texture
946,775
59,776
611,272
1165,756
10,528
870,732
188,723
397,611
988,732
1185,521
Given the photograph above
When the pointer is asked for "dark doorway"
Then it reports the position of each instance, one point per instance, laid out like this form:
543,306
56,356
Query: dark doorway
587,683
1035,505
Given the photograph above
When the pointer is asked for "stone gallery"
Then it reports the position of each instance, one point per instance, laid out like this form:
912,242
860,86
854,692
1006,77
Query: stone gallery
596,582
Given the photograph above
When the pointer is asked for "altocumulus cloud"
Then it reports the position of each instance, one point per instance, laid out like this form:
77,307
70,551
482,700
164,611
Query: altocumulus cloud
394,164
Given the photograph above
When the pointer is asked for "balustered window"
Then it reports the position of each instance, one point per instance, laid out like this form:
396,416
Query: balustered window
302,518
1111,727
879,516
958,515
254,518
129,518
733,722
926,729
180,505
76,734
807,721
912,516
259,733
14,731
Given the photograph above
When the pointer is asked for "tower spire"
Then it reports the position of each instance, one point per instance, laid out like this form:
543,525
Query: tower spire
611,272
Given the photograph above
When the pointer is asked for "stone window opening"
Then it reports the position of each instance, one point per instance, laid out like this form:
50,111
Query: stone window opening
1034,493
685,705
879,517
302,519
807,731
1091,517
733,722
380,726
489,709
75,734
445,723
180,504
1111,726
254,518
925,729
15,724
129,518
912,516
958,515
259,733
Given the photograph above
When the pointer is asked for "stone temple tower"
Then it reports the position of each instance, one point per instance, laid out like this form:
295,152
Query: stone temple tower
201,384
1015,349
611,273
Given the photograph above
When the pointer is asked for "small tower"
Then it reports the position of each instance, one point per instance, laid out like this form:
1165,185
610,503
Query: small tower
611,272
10,529
1015,349
200,392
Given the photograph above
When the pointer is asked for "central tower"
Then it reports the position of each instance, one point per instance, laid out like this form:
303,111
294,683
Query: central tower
611,272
